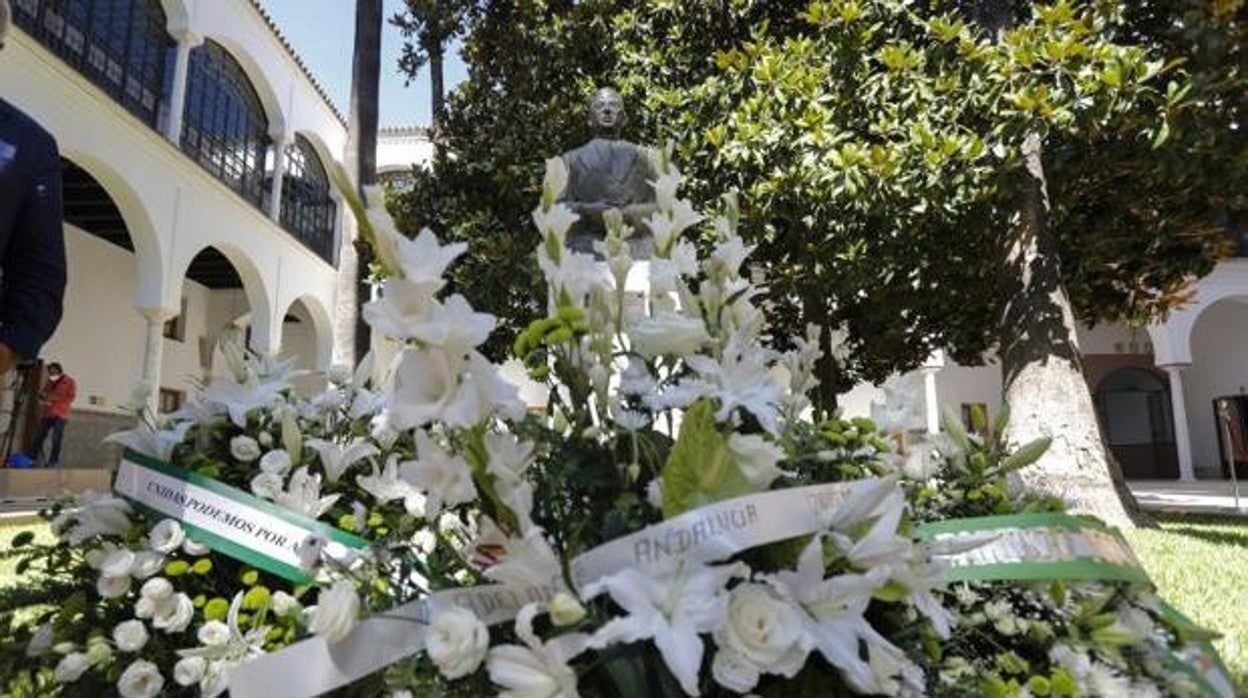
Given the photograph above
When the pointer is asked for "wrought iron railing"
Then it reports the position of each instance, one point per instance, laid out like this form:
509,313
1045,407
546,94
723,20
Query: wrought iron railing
122,47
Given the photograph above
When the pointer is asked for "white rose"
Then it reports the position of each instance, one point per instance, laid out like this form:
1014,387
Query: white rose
117,563
458,642
145,607
244,449
668,333
284,604
113,587
734,672
156,589
71,667
194,548
762,630
276,462
146,564
213,633
173,615
130,636
40,641
337,611
166,536
140,680
566,610
189,670
757,458
267,485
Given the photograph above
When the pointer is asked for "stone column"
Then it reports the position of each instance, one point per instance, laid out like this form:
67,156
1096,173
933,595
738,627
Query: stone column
153,351
931,403
187,40
281,140
1178,409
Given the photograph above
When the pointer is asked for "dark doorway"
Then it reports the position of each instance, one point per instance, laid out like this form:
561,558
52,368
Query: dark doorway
1133,405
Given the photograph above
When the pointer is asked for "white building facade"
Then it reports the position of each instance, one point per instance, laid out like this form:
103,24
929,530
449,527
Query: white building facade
1158,390
195,150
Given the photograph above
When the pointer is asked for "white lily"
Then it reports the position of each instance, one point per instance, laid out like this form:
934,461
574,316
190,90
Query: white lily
157,443
239,398
406,310
508,459
555,223
528,560
536,669
424,260
386,485
97,514
337,458
741,379
303,494
673,609
444,479
834,610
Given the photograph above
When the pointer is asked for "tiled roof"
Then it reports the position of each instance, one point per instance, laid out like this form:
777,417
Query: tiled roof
316,84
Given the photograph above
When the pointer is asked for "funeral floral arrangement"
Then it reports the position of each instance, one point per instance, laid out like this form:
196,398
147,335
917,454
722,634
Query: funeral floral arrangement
670,522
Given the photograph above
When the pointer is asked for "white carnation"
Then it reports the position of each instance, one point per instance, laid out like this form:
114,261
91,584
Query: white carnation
244,449
130,636
113,587
140,680
267,485
146,564
276,462
173,615
189,670
166,536
157,588
214,633
284,604
72,666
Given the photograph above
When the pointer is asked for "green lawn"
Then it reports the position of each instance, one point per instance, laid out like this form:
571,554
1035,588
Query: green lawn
1200,564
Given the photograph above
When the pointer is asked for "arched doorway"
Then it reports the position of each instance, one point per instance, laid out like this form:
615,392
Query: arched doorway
1133,405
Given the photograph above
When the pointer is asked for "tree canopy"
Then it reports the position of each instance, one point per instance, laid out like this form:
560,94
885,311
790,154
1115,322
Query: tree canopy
876,147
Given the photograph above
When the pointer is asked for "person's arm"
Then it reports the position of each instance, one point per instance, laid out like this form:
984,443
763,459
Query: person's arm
33,285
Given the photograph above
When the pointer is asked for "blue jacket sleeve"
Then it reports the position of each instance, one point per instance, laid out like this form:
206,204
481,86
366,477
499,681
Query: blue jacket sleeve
33,285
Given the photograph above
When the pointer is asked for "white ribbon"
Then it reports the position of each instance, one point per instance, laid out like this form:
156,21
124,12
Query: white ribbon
713,532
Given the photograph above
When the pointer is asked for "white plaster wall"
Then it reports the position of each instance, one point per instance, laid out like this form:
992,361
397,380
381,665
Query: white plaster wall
100,338
1219,367
172,207
399,151
1114,339
957,385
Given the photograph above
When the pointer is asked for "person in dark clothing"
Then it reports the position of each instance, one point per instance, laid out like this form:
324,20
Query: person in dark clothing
58,396
32,236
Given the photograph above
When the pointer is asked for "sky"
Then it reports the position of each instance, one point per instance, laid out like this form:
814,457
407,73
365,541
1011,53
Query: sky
322,33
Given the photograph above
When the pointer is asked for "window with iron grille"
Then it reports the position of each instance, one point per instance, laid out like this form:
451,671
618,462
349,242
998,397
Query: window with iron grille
224,127
123,46
307,210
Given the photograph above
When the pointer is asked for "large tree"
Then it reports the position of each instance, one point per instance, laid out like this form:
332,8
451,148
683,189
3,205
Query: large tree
879,147
429,27
365,103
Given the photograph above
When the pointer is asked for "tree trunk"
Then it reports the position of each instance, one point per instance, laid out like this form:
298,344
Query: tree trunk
365,86
437,90
1044,383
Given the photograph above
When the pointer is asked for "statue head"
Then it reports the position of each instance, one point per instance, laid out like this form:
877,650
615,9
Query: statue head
606,110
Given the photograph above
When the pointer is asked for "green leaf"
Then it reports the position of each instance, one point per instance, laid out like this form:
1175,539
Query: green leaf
22,539
700,469
1026,454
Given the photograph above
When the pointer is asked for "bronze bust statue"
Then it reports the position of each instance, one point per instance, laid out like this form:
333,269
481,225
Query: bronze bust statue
606,173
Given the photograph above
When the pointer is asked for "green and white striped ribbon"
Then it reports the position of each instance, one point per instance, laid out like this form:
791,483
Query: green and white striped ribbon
227,519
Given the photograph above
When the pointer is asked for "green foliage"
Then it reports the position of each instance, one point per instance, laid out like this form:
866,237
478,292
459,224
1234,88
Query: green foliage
700,469
875,143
